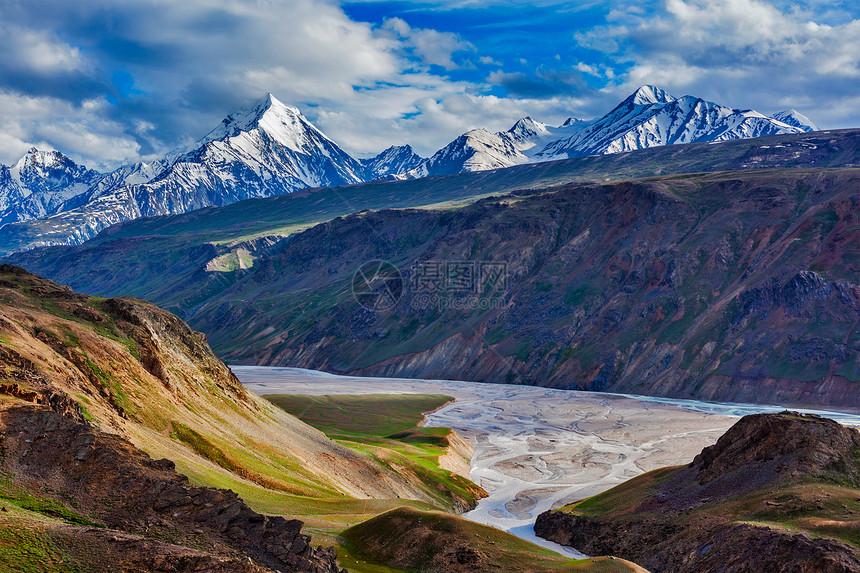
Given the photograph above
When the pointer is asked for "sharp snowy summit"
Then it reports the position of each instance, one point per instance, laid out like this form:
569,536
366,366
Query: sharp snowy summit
271,148
796,119
648,117
39,184
392,162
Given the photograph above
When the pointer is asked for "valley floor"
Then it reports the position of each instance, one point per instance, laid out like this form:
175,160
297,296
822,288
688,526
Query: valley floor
539,448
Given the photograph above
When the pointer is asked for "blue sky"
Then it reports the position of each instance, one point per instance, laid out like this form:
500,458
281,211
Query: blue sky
110,82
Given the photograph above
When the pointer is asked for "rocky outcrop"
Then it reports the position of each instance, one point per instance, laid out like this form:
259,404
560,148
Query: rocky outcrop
687,523
701,546
116,484
786,446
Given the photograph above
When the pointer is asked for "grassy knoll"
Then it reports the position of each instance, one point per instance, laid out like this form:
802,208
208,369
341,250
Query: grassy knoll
367,414
26,548
12,495
430,540
623,496
28,536
820,509
385,426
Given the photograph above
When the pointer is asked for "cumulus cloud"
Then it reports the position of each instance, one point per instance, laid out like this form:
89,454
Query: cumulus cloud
172,70
37,52
747,53
430,46
137,79
78,130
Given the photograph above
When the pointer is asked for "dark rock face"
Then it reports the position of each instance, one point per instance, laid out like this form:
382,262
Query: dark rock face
780,447
127,490
667,529
701,547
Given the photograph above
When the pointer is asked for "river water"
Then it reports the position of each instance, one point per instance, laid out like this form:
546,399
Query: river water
540,448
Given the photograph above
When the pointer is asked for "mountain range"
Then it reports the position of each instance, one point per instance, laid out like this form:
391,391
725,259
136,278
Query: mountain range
272,149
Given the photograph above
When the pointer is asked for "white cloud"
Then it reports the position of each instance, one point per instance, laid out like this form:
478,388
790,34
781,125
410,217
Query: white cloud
432,47
745,53
37,51
196,61
82,132
427,123
586,69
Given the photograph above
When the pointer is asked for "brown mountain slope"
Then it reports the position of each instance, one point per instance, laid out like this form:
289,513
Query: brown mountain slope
735,287
142,373
777,492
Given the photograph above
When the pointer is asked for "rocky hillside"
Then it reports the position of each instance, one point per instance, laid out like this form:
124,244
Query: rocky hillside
777,492
142,373
93,390
59,464
740,288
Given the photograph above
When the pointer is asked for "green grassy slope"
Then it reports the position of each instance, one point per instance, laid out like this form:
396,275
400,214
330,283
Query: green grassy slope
385,427
431,541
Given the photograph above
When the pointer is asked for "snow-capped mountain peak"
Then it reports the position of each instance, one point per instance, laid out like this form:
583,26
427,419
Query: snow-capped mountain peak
283,123
41,169
37,163
528,133
267,149
572,121
650,117
392,162
39,183
794,118
648,95
528,127
475,150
